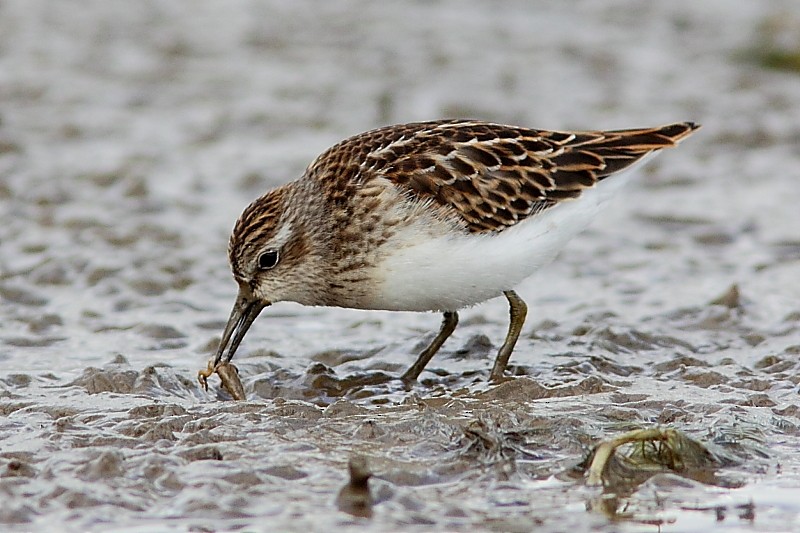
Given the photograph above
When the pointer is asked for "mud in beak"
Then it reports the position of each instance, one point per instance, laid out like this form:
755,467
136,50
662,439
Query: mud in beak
244,312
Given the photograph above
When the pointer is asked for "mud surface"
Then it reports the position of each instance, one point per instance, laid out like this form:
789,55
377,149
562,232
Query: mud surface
133,133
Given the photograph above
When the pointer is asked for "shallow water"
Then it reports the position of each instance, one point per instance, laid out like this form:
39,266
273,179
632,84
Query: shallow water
132,135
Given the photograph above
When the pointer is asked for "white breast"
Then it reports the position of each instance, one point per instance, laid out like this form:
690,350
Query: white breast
431,271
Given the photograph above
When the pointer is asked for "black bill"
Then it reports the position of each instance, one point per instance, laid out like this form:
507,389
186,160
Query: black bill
244,312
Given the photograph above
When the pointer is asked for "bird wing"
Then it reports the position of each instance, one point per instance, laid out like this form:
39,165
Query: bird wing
490,176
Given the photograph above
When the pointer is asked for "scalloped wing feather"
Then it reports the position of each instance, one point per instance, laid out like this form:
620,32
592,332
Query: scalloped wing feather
487,176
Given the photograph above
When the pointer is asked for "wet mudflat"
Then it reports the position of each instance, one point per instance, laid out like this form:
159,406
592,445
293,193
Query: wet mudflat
132,135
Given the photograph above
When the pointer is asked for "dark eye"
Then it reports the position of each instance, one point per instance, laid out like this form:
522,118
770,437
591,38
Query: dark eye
268,259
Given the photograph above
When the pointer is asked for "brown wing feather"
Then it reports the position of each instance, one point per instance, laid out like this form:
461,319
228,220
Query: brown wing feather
491,176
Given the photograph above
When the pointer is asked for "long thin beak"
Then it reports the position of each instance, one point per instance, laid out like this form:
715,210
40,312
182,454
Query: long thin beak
244,312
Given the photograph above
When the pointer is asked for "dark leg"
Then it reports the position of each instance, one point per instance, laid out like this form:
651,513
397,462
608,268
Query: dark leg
449,323
518,310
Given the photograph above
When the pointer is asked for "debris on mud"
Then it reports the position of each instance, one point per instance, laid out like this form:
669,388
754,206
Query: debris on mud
355,497
626,461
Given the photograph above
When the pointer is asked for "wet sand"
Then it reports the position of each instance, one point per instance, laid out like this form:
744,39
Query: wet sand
133,134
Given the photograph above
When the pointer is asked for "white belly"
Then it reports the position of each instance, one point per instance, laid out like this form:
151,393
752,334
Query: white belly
428,271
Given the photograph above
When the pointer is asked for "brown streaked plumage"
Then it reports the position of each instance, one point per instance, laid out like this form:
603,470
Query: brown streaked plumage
390,219
489,175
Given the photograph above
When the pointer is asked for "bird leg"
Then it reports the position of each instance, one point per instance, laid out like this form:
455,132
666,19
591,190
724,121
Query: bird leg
449,322
517,310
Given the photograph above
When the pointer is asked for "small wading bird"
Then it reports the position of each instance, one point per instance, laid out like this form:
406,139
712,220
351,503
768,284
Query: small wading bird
429,216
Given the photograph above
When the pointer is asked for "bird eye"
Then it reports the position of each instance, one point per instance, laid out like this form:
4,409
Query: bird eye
268,259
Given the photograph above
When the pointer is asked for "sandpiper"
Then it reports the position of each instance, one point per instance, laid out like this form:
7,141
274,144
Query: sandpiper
428,216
